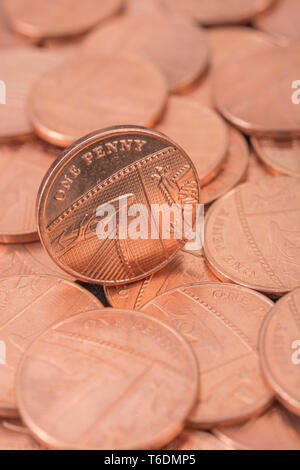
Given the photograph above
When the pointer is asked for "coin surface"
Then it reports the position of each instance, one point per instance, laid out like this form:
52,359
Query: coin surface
282,20
256,170
38,19
199,131
222,323
178,48
280,350
7,37
120,166
280,156
252,235
106,90
232,172
22,168
188,267
262,104
28,306
93,371
276,429
19,69
196,440
212,12
14,436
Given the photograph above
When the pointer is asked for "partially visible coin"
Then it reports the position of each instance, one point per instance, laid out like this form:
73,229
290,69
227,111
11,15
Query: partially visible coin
7,37
282,20
252,235
107,379
256,170
222,324
196,440
14,436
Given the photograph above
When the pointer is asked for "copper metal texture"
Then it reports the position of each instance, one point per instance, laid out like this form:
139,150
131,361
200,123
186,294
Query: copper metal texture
280,350
276,429
57,18
176,46
282,20
222,323
232,172
256,170
215,12
19,69
108,379
14,436
196,440
101,168
261,103
22,168
7,37
105,91
280,156
29,305
188,267
252,235
30,258
200,132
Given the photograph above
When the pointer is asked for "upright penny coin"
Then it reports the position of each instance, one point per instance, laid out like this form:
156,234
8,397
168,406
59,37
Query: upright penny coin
282,20
39,20
196,440
200,132
121,166
252,235
280,350
276,429
105,91
14,436
108,379
22,168
222,323
280,156
271,89
28,306
178,48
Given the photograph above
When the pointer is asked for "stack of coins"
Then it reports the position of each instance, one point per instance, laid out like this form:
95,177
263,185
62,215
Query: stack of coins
112,334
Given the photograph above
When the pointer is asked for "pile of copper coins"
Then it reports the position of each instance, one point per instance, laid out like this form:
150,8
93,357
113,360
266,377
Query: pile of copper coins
149,102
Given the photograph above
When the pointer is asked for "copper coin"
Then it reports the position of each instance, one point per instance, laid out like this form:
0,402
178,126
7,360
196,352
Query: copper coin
28,306
22,168
233,171
7,37
256,170
56,18
211,12
261,104
281,21
30,258
280,156
197,440
276,429
200,132
177,47
222,323
105,90
14,436
19,69
122,166
252,235
188,267
108,379
280,350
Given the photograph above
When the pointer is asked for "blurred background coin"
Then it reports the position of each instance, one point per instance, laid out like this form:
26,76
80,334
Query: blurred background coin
281,21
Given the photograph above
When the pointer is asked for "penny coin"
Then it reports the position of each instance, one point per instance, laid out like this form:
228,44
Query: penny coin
120,166
280,156
281,21
196,440
222,323
7,37
22,168
256,170
28,306
276,429
252,235
200,132
57,18
262,104
188,267
280,350
19,69
178,48
105,91
30,258
16,437
94,371
233,171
